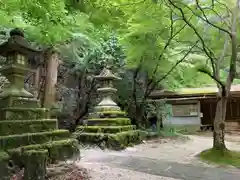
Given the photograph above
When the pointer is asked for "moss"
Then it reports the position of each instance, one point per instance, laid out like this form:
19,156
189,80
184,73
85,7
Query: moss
112,112
62,150
23,113
26,126
3,156
105,129
109,121
123,139
57,150
14,141
20,102
35,164
225,157
25,102
91,138
4,170
113,141
204,90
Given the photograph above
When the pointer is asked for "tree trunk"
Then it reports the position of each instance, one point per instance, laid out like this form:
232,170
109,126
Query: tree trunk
219,125
51,79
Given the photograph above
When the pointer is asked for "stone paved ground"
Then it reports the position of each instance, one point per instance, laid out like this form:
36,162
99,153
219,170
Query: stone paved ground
165,159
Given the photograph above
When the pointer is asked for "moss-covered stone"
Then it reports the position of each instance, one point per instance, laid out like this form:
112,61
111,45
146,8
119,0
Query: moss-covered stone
10,127
116,141
108,126
35,164
105,129
57,150
12,113
19,102
62,150
18,140
91,138
22,121
123,139
109,121
4,170
109,114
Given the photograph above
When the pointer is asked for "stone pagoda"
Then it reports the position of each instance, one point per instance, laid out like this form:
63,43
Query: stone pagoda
107,124
25,128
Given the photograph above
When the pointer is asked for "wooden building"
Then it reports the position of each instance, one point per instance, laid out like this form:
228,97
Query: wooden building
197,106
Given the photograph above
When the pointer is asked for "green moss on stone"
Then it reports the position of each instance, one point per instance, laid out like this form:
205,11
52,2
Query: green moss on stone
91,138
35,164
123,139
3,156
23,113
109,121
20,102
57,150
4,170
112,112
62,150
105,129
113,141
14,141
10,127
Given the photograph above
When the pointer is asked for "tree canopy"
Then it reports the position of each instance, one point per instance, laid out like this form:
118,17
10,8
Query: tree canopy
159,37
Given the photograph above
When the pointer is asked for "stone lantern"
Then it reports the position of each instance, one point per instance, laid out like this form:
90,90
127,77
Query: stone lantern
106,78
16,50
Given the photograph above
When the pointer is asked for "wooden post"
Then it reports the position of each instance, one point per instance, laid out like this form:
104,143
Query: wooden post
51,79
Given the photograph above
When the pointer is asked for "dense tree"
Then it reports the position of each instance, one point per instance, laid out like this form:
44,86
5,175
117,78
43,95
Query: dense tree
150,39
220,20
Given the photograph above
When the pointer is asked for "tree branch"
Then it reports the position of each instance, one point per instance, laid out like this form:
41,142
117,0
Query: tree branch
170,71
205,49
206,19
171,37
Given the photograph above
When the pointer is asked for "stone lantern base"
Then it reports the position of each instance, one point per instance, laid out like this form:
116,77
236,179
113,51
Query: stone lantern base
109,128
24,126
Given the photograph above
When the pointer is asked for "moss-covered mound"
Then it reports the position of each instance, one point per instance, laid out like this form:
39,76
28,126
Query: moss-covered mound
225,157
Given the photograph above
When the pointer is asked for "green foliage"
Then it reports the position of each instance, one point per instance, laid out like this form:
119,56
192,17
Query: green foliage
152,36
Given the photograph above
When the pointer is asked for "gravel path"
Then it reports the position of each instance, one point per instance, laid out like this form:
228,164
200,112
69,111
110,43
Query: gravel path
155,160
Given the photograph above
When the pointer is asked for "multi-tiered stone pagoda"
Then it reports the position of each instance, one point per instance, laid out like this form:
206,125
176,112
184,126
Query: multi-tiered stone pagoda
108,124
27,136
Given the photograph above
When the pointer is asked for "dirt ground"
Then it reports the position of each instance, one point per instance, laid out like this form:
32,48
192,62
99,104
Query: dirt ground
163,150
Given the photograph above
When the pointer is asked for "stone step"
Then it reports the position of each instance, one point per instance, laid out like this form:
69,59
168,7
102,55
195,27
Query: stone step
112,141
105,129
26,103
109,121
23,113
18,140
10,127
58,150
111,114
20,102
